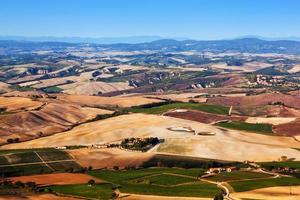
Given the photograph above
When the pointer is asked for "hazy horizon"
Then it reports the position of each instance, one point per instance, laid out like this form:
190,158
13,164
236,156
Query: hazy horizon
200,20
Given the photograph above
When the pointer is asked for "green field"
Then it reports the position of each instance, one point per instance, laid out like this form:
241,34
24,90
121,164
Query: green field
65,166
238,175
23,170
98,191
197,189
164,180
290,164
257,128
54,155
52,89
216,109
272,165
159,181
9,151
240,186
30,161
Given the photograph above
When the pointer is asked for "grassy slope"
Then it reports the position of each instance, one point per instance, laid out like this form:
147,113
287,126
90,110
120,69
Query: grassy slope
164,180
238,175
257,128
99,191
194,106
240,186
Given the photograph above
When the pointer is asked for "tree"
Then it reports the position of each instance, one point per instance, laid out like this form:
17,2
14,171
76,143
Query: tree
10,140
91,182
19,184
219,196
16,140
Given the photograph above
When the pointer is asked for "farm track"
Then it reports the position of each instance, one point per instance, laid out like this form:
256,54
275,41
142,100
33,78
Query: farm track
43,161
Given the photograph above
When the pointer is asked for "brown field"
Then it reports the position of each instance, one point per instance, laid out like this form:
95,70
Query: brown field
108,158
224,145
248,67
122,101
184,97
270,193
93,88
13,104
56,179
258,100
52,118
203,117
26,94
24,79
153,197
266,111
3,87
235,81
37,197
288,129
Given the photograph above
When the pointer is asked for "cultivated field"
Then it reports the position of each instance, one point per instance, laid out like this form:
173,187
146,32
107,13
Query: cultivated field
160,181
108,158
36,197
56,179
14,104
35,161
225,144
121,101
94,88
49,119
160,109
258,100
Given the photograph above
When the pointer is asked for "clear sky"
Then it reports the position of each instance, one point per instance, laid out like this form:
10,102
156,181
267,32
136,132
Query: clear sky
196,19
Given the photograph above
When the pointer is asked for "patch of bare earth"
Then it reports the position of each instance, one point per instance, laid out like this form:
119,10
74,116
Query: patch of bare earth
153,197
56,179
37,197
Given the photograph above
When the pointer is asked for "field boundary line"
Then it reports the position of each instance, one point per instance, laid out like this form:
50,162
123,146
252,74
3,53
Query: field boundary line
35,163
43,161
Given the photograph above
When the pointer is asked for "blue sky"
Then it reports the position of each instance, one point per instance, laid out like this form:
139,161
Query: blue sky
197,19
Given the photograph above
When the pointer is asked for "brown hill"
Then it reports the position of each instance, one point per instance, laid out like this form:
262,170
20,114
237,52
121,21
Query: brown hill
52,118
258,100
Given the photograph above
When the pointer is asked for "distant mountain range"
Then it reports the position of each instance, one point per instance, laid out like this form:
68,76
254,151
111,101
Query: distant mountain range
127,40
100,40
251,45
